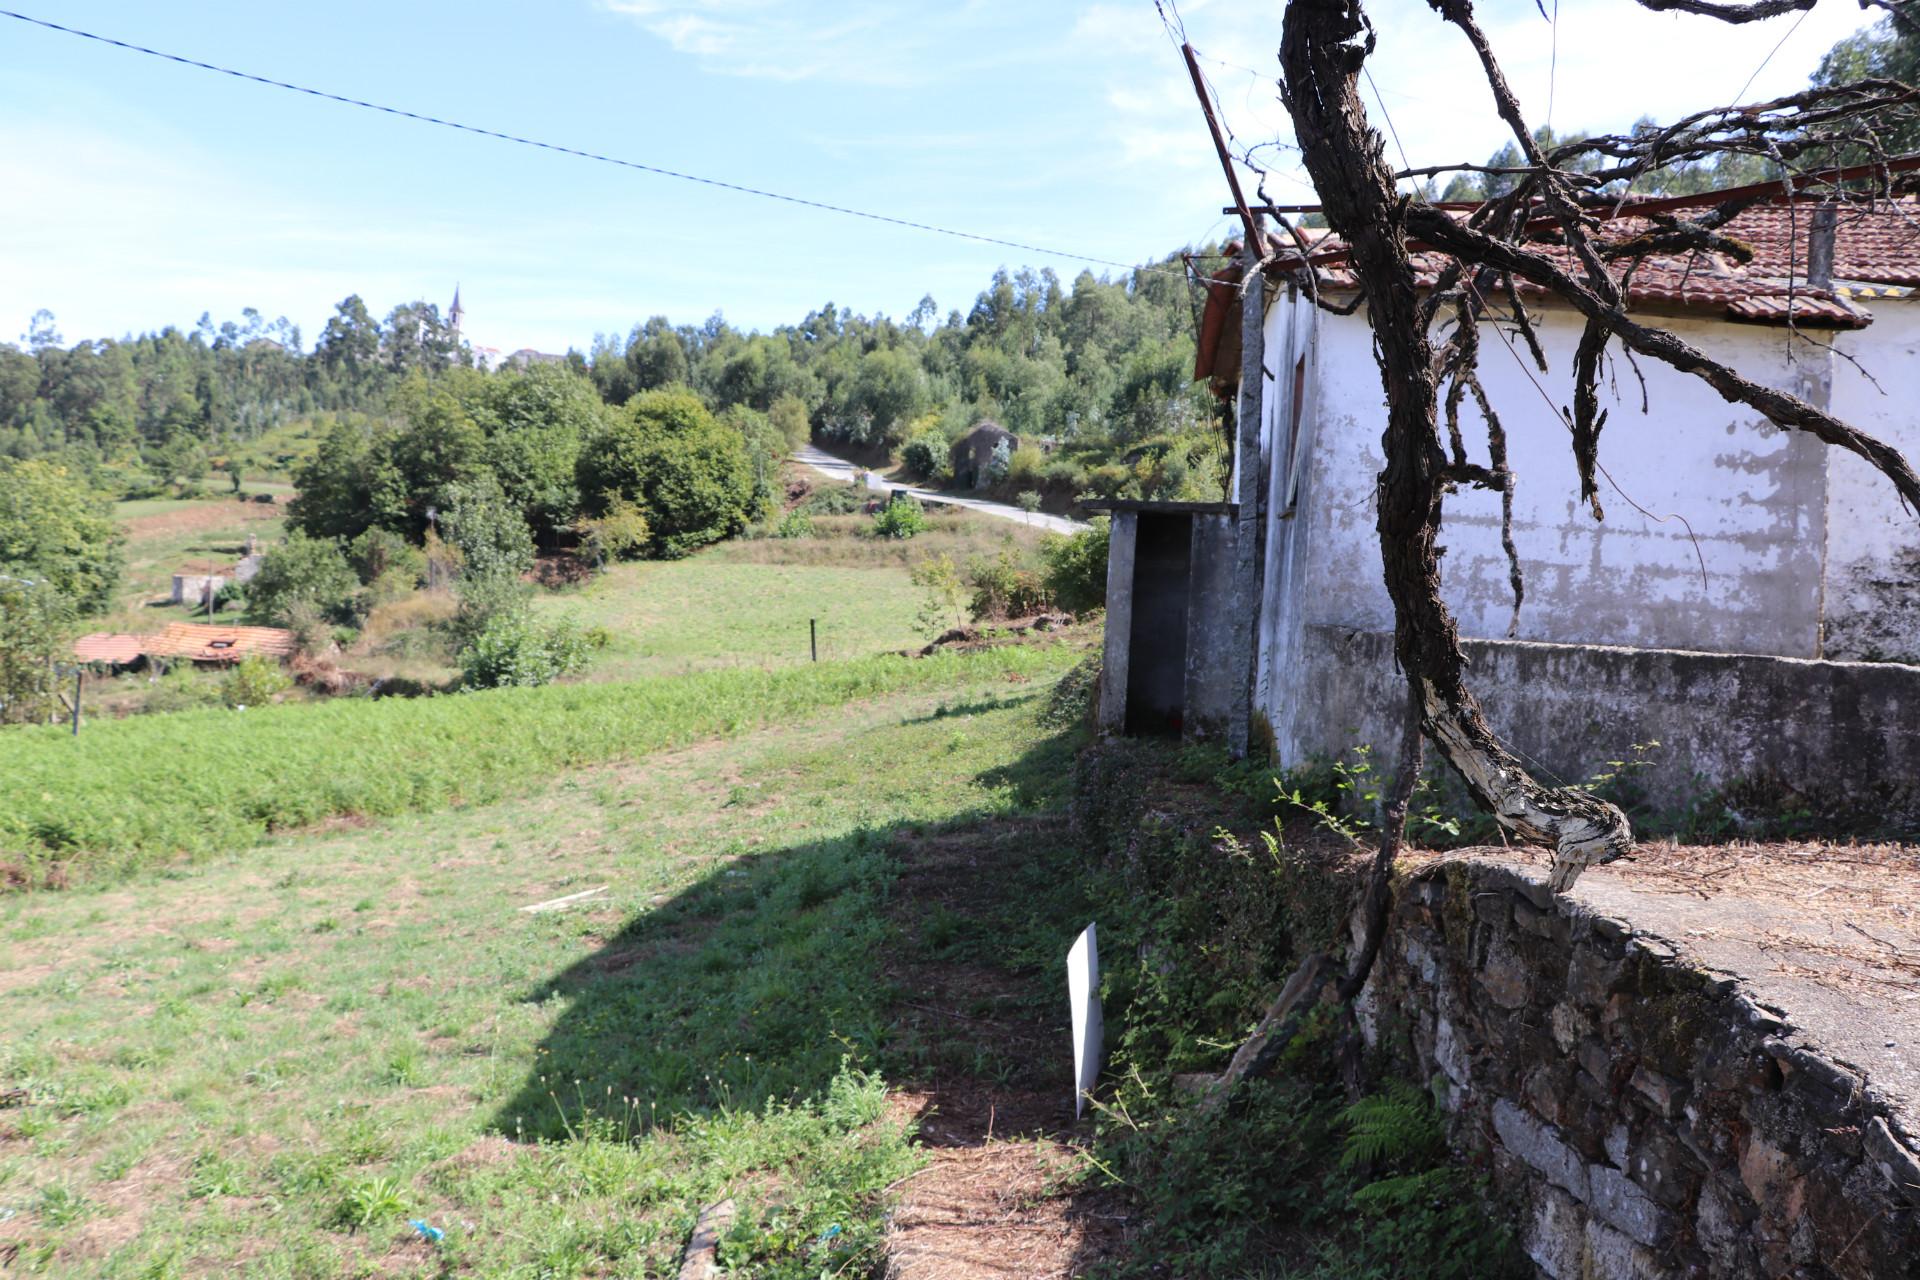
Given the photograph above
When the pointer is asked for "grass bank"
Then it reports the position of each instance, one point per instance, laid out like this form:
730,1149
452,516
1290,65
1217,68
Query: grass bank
152,788
266,1065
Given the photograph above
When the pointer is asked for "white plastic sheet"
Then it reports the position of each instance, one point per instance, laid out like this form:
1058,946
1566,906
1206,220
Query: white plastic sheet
1083,993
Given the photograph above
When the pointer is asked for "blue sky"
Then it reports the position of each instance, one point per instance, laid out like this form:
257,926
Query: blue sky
140,193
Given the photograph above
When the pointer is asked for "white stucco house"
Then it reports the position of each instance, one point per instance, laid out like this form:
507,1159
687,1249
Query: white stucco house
1728,545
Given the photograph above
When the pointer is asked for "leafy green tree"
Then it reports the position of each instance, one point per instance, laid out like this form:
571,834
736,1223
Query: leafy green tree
889,392
336,485
1888,50
656,356
439,445
301,573
34,621
789,418
479,520
350,344
687,471
535,422
181,461
54,527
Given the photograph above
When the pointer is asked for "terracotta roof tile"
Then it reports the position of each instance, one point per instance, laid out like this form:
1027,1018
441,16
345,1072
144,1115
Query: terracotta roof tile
207,642
102,646
1876,247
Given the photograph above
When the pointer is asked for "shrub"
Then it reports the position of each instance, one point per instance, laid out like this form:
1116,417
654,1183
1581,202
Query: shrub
687,471
834,500
253,682
1064,475
1076,567
1110,480
1027,500
620,533
395,584
483,600
795,524
1007,587
943,595
418,615
312,629
899,519
514,650
302,571
925,455
181,689
379,553
1024,467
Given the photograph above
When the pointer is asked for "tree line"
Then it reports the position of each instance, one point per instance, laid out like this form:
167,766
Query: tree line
167,402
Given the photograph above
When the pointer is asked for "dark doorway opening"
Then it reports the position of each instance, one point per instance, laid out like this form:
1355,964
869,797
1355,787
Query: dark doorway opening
1157,640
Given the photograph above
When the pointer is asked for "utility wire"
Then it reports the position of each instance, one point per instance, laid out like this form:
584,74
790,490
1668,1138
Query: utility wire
580,153
1553,62
1769,58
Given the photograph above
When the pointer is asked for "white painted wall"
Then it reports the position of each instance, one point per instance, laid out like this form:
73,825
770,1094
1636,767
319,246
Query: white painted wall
1873,545
1718,485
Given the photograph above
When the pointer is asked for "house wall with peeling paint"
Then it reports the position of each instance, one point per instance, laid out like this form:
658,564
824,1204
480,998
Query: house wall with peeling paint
1694,481
1873,546
1722,533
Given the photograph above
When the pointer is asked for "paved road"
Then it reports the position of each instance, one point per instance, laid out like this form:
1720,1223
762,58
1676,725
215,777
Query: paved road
848,472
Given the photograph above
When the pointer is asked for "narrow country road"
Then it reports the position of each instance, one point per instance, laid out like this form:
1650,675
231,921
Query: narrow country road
848,472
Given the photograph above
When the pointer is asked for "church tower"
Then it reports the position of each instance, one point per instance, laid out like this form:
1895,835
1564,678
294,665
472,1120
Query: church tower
456,312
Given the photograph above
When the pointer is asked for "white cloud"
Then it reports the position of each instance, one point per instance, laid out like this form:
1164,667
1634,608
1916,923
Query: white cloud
867,42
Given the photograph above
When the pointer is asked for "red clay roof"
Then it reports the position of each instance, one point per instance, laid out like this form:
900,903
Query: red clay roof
102,646
1876,246
207,642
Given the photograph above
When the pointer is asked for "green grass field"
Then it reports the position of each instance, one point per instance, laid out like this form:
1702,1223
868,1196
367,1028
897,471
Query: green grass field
710,611
148,788
267,1064
166,536
747,603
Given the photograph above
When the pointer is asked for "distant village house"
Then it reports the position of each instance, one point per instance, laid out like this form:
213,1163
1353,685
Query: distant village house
972,454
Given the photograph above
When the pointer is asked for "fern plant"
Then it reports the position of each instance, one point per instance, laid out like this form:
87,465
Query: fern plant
1396,1129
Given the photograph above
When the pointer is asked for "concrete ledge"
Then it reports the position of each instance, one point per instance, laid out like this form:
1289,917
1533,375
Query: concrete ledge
1628,1101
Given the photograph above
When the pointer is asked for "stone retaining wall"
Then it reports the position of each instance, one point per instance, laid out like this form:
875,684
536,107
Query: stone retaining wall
1646,1117
1841,739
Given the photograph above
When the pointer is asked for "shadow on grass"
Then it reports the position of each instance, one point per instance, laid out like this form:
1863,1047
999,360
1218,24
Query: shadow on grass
757,983
750,986
929,953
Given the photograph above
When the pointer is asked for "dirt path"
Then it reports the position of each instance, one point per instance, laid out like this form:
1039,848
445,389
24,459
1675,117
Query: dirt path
991,1082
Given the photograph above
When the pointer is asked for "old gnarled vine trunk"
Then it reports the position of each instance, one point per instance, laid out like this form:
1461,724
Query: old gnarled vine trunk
1324,46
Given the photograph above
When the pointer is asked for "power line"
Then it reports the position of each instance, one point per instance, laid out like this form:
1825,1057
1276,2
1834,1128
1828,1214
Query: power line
1769,58
581,153
1553,63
